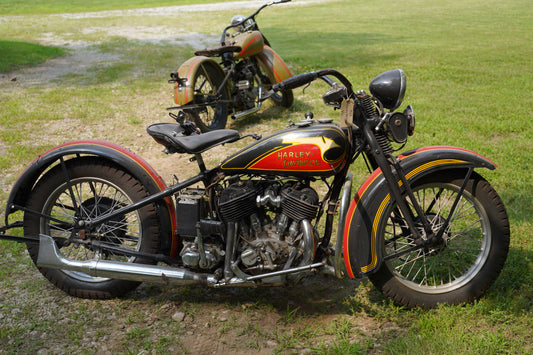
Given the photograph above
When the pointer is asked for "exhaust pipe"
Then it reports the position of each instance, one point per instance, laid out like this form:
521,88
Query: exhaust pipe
50,256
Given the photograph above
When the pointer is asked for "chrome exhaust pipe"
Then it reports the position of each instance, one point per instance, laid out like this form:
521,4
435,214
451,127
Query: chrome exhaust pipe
51,257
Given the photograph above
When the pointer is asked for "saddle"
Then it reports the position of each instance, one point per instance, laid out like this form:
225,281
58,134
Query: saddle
172,136
218,51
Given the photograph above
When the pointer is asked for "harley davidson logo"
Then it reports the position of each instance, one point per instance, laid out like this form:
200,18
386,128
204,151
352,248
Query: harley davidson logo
323,143
299,154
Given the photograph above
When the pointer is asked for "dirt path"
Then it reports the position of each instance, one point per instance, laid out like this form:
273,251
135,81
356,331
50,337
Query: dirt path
82,56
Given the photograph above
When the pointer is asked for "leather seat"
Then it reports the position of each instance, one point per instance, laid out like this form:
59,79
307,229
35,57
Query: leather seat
171,136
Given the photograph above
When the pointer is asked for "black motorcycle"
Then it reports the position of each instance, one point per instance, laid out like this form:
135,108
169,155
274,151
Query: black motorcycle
425,227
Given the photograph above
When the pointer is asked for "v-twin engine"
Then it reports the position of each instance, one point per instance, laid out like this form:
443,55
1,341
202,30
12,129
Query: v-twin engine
273,225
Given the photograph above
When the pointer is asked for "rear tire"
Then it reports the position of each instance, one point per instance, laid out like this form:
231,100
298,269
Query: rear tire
97,188
469,260
214,113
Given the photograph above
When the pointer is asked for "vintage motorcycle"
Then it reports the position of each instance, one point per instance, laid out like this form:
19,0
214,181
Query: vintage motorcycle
424,227
207,92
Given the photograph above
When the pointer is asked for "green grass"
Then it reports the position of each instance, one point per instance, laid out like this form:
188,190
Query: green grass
16,55
22,7
469,67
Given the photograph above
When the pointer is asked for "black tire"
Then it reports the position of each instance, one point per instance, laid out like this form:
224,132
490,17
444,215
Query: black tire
459,270
98,187
205,83
283,98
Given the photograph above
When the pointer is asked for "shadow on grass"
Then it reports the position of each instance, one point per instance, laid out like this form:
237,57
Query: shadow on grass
331,49
316,295
325,295
513,290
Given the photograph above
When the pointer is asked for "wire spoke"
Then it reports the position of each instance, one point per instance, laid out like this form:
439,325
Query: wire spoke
440,265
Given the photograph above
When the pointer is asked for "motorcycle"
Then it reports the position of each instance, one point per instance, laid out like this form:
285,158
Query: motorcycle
207,92
425,226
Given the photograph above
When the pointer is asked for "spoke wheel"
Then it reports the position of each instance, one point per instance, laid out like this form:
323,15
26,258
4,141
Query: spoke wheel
94,189
461,266
213,112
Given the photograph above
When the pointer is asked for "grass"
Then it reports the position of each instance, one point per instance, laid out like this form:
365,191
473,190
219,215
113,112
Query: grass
37,7
469,72
16,55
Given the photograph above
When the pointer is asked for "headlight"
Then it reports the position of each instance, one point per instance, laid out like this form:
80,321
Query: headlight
389,88
244,25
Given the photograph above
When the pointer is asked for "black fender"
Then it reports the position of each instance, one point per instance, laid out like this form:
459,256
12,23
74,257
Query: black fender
114,153
361,244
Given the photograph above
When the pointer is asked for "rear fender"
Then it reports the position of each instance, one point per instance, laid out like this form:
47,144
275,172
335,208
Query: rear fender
111,152
273,66
183,90
361,242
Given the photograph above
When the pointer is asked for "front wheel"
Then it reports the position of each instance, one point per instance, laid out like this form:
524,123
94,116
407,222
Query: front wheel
211,104
464,264
93,189
283,98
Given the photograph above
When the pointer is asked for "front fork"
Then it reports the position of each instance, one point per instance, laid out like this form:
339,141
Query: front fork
396,179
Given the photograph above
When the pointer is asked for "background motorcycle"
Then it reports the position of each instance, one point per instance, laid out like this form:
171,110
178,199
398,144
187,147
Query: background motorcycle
207,92
425,227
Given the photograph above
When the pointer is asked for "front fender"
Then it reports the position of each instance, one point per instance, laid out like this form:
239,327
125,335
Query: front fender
131,162
183,90
273,66
361,244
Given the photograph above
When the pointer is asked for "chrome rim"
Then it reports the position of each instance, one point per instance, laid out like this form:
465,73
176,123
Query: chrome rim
453,263
91,198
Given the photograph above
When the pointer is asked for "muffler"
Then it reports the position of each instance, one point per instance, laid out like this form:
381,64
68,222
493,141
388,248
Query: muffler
51,257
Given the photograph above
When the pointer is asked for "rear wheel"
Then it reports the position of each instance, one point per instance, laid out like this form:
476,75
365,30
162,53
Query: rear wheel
213,111
464,264
94,190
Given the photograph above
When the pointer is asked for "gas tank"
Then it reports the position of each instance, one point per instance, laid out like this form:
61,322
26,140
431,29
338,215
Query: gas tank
251,42
305,150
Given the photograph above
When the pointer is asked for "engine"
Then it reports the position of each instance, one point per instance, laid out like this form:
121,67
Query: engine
273,226
246,90
269,216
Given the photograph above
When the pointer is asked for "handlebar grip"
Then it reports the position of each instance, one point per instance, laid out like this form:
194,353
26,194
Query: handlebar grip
295,81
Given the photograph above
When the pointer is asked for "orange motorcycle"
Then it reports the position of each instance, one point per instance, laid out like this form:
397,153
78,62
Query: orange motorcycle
208,91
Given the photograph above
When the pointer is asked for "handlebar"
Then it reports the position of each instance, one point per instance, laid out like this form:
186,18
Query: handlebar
295,81
223,38
305,78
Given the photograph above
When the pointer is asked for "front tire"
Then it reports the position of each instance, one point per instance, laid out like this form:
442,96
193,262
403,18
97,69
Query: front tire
95,188
465,264
283,98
